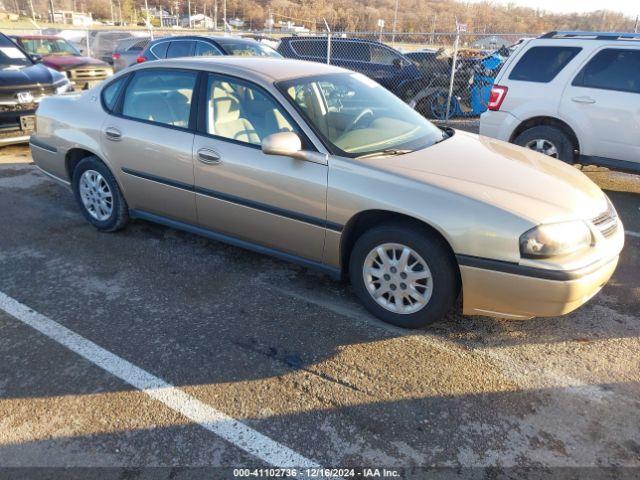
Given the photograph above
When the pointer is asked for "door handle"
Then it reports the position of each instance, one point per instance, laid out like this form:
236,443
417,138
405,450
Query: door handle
113,134
208,157
586,100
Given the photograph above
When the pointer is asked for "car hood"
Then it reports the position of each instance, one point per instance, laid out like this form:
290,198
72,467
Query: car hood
69,61
30,75
533,186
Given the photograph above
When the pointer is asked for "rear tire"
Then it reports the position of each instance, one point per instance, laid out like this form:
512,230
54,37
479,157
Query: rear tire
549,141
99,196
412,293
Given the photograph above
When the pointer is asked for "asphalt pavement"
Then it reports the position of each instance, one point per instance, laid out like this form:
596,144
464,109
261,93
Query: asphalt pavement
155,348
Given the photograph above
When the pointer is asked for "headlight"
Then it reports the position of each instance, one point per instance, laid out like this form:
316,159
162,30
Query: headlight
555,239
63,86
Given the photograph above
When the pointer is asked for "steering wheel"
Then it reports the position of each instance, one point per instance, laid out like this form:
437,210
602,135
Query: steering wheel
354,123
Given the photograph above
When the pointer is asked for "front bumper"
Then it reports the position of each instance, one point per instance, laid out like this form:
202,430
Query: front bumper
508,295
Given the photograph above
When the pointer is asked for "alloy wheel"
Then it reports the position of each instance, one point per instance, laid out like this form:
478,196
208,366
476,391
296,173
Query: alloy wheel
397,278
96,195
543,146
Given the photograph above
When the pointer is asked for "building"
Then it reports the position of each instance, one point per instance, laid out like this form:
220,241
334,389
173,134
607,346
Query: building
198,20
492,42
69,17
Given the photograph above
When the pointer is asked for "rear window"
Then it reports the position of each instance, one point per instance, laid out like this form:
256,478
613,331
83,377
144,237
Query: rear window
612,69
358,51
110,93
542,64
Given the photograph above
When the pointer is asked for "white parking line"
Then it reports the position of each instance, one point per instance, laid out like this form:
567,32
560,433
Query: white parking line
632,234
228,428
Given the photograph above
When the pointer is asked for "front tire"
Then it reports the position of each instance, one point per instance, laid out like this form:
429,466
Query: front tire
99,196
550,141
403,275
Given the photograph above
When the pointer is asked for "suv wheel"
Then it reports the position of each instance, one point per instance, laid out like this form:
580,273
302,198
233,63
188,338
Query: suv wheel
98,195
547,140
404,276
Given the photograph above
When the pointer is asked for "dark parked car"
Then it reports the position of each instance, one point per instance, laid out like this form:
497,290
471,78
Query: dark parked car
23,83
204,46
127,52
57,53
376,60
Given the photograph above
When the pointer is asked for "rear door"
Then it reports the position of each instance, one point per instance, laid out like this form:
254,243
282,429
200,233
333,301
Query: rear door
604,99
147,138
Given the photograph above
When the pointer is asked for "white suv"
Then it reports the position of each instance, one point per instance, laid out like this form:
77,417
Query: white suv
571,95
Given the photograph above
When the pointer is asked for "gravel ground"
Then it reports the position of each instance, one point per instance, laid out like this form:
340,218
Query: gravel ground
291,354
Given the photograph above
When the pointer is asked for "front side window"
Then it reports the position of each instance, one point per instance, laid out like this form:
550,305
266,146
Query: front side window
204,49
160,96
356,116
241,112
181,48
542,64
612,69
384,56
243,49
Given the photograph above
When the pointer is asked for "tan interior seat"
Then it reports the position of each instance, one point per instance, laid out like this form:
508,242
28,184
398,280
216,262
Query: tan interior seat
227,120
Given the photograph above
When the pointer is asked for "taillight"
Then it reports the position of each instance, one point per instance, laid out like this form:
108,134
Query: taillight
141,59
498,93
116,56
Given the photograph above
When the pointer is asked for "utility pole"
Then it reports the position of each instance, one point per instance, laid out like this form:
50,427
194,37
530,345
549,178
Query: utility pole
635,29
33,12
189,12
215,14
111,5
224,15
395,23
53,18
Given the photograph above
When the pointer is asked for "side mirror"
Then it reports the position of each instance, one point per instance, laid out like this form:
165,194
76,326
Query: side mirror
288,144
36,57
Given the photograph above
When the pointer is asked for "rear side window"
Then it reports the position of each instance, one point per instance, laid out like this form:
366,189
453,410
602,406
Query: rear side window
351,51
612,69
310,48
160,96
110,93
160,49
542,64
180,48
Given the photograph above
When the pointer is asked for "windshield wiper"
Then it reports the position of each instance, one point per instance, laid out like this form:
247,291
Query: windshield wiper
385,152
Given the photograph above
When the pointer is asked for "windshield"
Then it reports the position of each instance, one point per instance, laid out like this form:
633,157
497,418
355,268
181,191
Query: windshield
10,55
357,116
249,50
48,46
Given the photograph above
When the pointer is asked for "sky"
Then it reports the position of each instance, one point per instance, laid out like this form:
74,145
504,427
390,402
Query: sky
628,7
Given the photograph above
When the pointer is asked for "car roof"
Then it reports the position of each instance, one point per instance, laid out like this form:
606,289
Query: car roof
336,39
268,69
217,39
38,37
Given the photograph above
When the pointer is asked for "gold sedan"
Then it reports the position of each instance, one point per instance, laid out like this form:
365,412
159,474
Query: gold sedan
324,167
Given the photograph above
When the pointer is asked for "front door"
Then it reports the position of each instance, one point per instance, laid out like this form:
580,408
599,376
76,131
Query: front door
147,139
604,102
273,201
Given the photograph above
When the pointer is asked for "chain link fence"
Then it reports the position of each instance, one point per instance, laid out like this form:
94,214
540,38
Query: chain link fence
446,76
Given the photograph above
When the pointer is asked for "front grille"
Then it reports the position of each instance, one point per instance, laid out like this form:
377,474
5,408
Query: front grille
85,74
607,222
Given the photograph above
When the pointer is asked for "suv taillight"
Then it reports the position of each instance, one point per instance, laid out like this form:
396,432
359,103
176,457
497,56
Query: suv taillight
141,59
498,93
115,56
